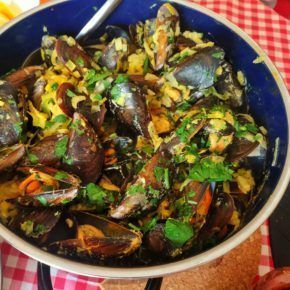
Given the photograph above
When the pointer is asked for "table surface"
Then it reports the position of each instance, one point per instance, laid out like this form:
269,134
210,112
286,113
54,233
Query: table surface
272,32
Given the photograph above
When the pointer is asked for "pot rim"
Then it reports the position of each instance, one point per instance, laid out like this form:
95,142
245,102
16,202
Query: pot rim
199,259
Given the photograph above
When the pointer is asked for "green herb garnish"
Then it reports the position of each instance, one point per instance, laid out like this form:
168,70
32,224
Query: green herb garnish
149,225
70,93
135,189
208,170
80,62
178,232
218,54
32,158
60,175
121,78
61,147
146,65
54,86
60,118
42,200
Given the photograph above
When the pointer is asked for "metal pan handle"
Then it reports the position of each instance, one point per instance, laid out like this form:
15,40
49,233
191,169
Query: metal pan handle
44,279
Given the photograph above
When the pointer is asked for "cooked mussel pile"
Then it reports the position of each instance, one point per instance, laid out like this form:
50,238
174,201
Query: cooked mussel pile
135,145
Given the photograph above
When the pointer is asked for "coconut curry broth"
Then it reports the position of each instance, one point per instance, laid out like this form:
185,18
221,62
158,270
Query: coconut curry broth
135,146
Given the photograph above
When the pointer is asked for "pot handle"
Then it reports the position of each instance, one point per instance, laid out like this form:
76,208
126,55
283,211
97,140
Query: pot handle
44,279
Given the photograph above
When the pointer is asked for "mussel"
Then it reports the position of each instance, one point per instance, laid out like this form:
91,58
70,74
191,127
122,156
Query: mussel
24,77
128,104
220,214
43,151
115,54
228,85
100,238
63,100
198,71
10,119
10,156
37,223
148,187
46,186
85,152
72,55
159,45
47,47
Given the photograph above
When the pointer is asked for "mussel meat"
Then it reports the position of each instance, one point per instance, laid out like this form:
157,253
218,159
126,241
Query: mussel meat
46,186
99,237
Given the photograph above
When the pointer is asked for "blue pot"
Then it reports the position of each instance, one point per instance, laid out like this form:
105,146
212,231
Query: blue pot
268,99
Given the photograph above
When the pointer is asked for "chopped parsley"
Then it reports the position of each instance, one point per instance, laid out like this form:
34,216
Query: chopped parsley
98,195
209,170
76,126
18,128
121,78
61,147
70,93
60,175
91,77
54,86
32,158
146,65
42,200
149,225
162,176
244,129
60,118
135,189
178,232
80,62
218,54
186,129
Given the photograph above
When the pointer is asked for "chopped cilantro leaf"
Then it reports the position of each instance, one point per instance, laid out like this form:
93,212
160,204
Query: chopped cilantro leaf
149,225
218,54
42,200
54,86
159,172
98,195
146,65
96,97
32,158
18,127
60,118
70,93
76,126
68,160
178,232
122,79
60,175
61,147
135,189
208,170
80,62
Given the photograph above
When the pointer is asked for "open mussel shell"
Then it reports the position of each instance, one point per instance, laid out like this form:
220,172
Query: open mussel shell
62,187
128,104
10,156
10,119
99,237
84,151
141,199
198,71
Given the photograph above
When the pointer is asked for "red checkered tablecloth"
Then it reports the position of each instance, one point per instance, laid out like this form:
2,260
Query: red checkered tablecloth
272,32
